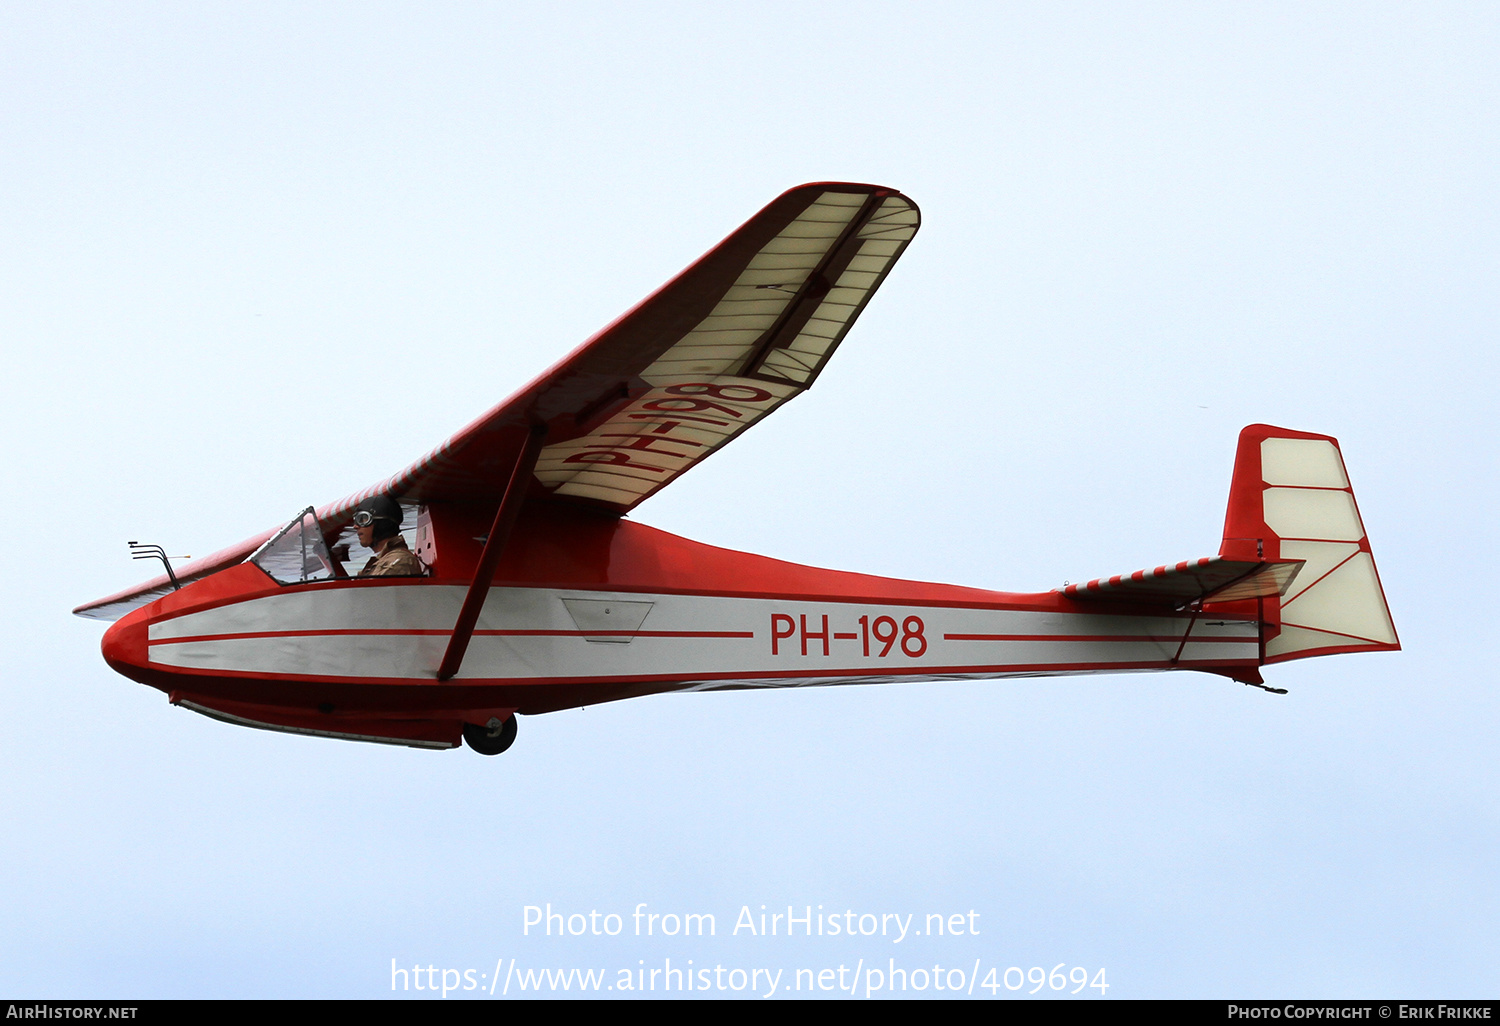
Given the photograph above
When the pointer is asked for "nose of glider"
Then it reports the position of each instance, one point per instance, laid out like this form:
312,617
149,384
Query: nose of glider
124,646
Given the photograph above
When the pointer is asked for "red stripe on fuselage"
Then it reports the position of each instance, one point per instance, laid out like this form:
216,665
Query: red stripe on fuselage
417,632
1213,638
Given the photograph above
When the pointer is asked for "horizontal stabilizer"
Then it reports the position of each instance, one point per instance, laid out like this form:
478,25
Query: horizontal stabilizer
1211,578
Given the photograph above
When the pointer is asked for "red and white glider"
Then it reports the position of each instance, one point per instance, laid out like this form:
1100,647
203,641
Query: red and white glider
540,596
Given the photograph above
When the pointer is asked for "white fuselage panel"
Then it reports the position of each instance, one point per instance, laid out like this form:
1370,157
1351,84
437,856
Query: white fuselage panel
525,635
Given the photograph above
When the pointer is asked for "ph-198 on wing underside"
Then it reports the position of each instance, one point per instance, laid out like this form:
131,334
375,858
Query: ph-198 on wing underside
524,589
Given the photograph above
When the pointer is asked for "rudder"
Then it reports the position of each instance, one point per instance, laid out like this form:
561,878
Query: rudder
1291,500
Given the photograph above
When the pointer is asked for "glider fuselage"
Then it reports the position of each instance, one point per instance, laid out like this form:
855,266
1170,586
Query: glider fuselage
587,609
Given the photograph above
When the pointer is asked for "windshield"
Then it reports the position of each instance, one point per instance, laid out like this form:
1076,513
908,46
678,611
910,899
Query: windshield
297,554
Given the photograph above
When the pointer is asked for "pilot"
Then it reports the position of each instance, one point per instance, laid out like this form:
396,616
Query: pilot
378,522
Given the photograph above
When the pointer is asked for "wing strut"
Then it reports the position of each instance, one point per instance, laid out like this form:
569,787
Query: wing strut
494,545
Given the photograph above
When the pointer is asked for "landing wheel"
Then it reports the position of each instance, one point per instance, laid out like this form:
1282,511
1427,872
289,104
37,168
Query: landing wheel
492,738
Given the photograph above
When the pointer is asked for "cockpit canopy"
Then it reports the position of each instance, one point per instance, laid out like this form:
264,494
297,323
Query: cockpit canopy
297,554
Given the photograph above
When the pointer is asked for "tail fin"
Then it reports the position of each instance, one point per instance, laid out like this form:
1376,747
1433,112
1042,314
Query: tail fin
1291,499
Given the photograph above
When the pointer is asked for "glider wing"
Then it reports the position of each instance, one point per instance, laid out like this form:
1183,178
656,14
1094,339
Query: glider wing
746,328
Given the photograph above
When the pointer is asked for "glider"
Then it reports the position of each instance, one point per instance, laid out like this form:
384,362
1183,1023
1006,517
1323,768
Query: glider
536,594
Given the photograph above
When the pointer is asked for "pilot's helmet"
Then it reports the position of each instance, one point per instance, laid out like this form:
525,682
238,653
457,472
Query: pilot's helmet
382,511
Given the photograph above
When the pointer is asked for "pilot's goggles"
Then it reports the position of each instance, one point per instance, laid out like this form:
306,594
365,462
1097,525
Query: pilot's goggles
364,518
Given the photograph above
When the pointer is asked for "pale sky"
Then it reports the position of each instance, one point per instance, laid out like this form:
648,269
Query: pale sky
258,256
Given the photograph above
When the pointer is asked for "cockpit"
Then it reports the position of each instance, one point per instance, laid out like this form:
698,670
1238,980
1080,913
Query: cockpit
300,552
